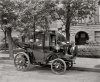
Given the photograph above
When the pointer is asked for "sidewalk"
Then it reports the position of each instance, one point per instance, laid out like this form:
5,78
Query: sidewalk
88,64
4,55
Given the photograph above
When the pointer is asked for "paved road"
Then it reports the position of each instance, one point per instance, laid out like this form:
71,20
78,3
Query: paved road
81,72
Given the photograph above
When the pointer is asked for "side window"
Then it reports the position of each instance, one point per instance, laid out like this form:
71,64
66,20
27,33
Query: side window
52,40
39,40
47,40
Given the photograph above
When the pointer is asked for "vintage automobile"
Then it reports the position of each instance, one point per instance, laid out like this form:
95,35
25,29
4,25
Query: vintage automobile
47,50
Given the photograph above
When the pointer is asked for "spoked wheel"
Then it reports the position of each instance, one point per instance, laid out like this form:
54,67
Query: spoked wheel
21,61
69,64
58,66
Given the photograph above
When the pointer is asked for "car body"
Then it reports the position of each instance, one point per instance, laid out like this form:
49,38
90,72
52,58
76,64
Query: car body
47,50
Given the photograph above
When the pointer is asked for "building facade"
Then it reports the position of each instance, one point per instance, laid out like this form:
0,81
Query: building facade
87,30
85,33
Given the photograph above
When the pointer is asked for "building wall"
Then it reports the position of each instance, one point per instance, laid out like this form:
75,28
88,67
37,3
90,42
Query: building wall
90,30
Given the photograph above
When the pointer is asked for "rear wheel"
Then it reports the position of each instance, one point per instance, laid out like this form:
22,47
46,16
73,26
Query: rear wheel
58,66
22,61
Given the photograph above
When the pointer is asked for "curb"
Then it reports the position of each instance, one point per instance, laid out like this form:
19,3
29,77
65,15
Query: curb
86,69
5,58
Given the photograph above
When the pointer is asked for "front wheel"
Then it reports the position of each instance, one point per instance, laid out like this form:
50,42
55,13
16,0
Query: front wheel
58,66
22,61
69,64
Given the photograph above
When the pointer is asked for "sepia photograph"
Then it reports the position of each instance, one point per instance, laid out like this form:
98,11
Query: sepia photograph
49,40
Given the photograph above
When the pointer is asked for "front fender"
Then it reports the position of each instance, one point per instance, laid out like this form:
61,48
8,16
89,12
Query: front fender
52,56
23,54
30,56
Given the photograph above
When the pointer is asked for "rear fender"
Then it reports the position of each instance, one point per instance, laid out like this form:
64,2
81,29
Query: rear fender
24,54
52,57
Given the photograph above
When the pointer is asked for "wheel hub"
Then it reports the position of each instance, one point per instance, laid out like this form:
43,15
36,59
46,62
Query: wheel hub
58,66
21,61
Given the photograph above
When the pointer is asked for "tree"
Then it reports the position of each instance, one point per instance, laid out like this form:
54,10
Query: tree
73,10
33,14
8,18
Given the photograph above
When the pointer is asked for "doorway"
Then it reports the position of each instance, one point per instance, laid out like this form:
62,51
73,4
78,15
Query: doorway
81,38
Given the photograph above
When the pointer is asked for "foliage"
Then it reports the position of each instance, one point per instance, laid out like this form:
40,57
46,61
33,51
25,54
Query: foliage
4,45
7,20
77,9
71,10
43,12
34,14
7,14
28,15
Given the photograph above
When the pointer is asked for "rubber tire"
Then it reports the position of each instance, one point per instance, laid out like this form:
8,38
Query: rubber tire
59,73
29,64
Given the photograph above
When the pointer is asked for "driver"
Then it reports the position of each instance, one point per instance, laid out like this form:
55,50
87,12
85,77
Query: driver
73,51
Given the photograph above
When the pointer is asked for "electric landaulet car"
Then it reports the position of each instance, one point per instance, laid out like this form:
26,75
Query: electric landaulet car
47,50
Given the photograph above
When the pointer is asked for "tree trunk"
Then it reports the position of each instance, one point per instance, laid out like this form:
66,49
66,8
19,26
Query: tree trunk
5,40
68,29
10,42
68,22
34,29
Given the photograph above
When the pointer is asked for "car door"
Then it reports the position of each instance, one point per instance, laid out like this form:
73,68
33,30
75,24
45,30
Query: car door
38,48
50,42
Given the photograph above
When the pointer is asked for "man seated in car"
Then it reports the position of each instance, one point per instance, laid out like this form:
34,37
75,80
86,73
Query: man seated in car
72,51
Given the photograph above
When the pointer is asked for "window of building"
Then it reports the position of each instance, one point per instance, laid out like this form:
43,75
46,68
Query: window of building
97,36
